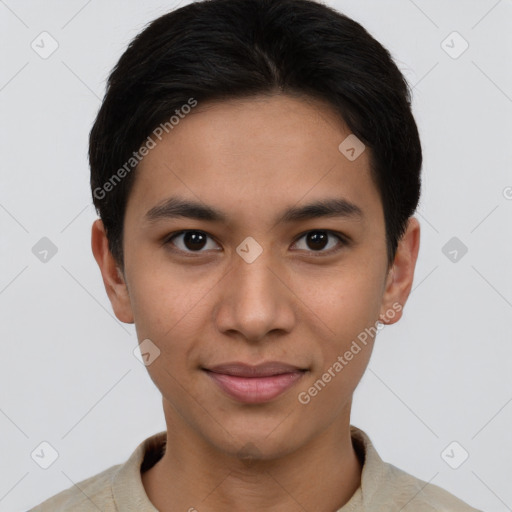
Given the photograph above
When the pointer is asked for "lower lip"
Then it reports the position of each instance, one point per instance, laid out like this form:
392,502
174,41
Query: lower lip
254,390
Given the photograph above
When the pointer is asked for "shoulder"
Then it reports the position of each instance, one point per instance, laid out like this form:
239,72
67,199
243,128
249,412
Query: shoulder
119,487
414,494
386,487
91,494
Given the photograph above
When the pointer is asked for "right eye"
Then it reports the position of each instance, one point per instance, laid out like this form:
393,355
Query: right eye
188,241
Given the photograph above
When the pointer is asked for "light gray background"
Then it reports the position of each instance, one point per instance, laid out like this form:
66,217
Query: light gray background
68,375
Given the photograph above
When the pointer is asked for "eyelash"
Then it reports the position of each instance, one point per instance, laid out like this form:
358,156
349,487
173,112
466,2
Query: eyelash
343,241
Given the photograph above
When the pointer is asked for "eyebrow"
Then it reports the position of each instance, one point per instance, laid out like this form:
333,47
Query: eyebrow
175,207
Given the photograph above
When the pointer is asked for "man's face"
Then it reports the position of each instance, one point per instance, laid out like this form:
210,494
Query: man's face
208,298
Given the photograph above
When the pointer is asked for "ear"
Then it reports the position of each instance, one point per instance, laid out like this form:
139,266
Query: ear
400,276
112,275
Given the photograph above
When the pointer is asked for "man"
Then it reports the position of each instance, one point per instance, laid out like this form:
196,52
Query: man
256,165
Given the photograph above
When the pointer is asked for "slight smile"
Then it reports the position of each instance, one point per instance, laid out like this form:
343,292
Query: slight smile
255,383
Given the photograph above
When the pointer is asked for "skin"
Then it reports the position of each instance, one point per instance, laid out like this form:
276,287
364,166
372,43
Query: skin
295,303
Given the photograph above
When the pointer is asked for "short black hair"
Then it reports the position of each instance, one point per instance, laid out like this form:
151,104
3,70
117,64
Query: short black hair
227,49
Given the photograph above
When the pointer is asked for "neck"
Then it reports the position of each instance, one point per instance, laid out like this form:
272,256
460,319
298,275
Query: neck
193,475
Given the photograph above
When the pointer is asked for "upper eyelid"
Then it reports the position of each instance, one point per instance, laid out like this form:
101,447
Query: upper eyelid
167,239
337,234
170,236
343,239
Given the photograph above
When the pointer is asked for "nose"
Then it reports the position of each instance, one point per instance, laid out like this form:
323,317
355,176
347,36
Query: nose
256,300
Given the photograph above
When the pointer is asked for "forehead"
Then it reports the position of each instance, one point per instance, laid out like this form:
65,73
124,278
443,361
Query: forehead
254,153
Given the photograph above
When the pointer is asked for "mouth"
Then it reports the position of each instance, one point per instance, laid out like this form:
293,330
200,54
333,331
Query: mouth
255,384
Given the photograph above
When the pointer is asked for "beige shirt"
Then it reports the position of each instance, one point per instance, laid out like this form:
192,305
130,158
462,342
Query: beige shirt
384,487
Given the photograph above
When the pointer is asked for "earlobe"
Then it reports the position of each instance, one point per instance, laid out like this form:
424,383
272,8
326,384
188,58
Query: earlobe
113,278
401,275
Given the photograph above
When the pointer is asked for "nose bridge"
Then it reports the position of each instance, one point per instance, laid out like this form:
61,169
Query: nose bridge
254,280
255,301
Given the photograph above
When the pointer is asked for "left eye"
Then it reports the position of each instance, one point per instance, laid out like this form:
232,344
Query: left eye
318,240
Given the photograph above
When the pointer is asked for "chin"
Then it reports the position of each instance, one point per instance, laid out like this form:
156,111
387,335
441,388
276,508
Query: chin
257,440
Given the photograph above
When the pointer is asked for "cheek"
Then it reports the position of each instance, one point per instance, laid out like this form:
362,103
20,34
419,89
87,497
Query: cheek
328,390
343,355
173,318
163,295
344,303
172,308
348,305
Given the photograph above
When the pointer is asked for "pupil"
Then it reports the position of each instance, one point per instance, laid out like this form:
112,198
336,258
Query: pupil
194,240
317,239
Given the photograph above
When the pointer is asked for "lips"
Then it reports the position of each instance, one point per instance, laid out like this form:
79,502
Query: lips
255,384
261,370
